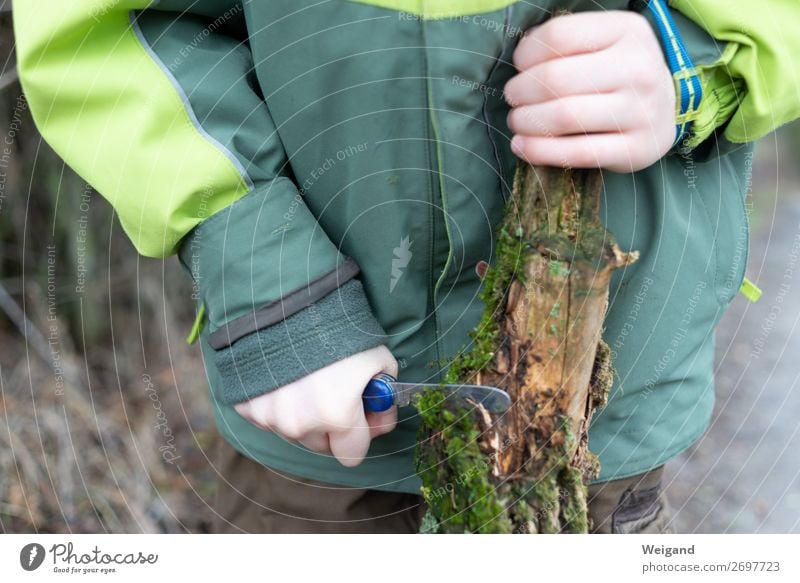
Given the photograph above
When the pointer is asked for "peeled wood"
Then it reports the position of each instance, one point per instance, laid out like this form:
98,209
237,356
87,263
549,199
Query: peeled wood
540,340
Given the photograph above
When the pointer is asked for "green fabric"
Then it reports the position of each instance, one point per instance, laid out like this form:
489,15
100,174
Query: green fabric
267,243
338,326
243,257
108,109
688,218
440,8
346,130
758,79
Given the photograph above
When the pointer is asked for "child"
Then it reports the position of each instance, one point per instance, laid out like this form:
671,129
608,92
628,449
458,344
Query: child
330,174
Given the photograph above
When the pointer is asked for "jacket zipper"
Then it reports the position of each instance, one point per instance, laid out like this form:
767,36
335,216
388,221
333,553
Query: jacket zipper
505,190
437,193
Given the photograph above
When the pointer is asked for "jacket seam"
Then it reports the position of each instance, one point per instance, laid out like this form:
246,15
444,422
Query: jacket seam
220,214
489,132
440,175
432,205
301,340
283,307
184,99
439,154
716,246
736,284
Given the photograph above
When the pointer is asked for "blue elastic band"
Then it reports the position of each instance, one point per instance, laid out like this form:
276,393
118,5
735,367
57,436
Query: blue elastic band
680,64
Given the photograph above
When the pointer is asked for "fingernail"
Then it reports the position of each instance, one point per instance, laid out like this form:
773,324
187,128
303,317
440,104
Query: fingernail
517,144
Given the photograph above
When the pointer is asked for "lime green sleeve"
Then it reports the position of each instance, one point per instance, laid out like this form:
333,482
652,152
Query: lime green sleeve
110,111
754,85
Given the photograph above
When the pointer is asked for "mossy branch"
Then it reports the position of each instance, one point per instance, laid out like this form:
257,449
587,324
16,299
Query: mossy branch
539,339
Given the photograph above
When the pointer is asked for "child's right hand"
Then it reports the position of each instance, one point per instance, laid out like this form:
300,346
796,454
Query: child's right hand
324,411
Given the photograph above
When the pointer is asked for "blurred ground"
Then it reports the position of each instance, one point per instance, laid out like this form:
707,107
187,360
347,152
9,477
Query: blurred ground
744,475
106,437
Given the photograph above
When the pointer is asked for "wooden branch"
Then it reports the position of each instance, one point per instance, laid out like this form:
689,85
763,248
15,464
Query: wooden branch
540,340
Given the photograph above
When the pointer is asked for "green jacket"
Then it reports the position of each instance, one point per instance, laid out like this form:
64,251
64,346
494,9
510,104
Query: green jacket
331,172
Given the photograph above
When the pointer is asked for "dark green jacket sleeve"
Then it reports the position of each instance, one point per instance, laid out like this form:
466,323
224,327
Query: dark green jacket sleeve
157,106
276,289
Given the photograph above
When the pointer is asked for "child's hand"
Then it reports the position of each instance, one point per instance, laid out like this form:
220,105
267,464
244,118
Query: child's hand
324,411
594,91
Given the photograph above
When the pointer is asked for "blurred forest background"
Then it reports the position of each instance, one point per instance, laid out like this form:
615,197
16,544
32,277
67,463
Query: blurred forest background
95,372
98,388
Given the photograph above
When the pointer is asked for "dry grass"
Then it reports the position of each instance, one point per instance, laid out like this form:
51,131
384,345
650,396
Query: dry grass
87,455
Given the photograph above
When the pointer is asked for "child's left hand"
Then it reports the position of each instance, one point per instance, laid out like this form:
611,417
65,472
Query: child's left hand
594,91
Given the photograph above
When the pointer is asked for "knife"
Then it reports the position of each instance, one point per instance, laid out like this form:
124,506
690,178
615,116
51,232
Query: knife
383,391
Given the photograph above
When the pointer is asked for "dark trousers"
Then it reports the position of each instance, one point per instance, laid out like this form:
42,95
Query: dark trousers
253,498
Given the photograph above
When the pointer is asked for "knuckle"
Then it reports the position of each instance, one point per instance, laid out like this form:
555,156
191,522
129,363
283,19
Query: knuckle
551,79
290,431
638,114
392,367
655,112
295,426
243,409
562,117
648,77
262,416
296,433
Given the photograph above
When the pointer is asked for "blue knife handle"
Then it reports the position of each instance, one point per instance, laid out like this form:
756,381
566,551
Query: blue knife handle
379,396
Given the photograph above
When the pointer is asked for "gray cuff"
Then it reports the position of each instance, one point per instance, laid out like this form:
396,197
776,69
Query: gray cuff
336,326
284,307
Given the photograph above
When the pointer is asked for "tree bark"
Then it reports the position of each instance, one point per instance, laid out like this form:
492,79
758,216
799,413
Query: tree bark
540,340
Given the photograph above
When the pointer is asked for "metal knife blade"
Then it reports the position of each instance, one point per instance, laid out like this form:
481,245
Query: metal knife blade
384,390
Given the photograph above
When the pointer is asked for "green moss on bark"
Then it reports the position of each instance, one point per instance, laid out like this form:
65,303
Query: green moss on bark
457,486
527,473
496,281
